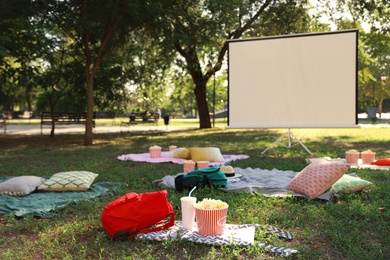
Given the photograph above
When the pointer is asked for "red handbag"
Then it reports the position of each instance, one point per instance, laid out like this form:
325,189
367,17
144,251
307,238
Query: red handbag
134,214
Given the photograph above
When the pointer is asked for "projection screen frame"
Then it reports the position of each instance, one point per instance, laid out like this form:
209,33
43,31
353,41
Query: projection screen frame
352,83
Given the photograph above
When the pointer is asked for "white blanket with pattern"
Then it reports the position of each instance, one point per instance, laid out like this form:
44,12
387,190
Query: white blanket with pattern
267,182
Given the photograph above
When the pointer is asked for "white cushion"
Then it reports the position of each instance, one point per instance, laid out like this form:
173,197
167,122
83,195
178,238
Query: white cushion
20,186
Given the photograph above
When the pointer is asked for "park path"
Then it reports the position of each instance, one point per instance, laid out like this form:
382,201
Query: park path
35,129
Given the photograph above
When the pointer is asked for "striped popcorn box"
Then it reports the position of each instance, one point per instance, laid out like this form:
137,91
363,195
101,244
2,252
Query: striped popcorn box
211,222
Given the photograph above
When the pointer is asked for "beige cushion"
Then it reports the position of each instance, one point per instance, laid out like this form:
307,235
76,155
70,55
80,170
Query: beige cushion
69,181
317,178
212,154
182,153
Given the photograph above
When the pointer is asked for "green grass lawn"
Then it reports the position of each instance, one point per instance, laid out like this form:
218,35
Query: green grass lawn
353,226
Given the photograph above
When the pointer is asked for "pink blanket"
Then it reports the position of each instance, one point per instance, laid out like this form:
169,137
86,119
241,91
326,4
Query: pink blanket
145,157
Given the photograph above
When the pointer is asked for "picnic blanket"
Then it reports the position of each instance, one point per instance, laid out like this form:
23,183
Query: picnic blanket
241,235
360,163
268,182
45,204
145,157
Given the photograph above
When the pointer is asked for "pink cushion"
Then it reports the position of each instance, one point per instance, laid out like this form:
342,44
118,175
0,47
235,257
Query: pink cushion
317,177
382,162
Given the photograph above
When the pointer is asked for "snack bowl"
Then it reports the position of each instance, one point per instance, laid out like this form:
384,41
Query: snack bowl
368,156
352,156
155,151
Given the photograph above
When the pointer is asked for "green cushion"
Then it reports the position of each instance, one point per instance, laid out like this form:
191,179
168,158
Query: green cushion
349,183
69,181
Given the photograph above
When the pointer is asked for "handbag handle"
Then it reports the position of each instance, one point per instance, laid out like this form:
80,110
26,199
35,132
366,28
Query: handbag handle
166,223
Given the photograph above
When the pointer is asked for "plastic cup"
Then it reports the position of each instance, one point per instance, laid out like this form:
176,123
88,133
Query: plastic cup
211,222
188,166
188,212
155,152
202,164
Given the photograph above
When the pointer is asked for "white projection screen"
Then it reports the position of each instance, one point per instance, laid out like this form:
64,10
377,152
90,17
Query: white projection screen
293,81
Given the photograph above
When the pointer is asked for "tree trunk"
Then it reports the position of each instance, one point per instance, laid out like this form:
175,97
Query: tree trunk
201,101
90,72
88,136
53,123
380,106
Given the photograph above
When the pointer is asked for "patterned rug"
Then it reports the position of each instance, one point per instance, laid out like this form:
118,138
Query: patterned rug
241,235
145,157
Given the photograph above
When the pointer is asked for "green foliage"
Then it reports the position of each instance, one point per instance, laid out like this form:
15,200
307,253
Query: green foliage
373,44
154,55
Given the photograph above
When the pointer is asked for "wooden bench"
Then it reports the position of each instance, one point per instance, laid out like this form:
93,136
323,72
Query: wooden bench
63,118
135,118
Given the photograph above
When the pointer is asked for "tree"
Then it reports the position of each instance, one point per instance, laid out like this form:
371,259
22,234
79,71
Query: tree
375,58
20,46
97,29
377,14
378,47
146,68
200,30
14,16
58,79
181,101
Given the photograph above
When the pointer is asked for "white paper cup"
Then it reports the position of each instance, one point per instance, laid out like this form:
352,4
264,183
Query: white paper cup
188,167
211,222
368,158
352,157
188,212
202,164
155,152
172,147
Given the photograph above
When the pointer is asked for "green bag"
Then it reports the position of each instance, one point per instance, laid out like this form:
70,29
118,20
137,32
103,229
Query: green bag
212,176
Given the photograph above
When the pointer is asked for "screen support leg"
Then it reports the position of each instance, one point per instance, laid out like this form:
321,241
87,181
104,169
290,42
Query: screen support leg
290,135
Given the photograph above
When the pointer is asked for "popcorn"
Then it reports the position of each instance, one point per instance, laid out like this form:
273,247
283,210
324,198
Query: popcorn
352,151
155,147
211,204
367,151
